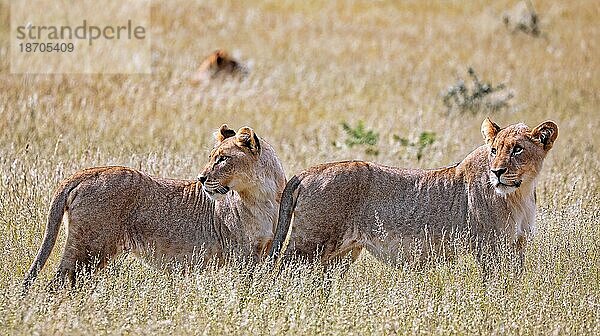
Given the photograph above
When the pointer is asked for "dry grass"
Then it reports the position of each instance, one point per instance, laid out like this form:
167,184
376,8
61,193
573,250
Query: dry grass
315,66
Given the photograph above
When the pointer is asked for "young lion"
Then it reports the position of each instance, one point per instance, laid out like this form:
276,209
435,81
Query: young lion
412,215
170,223
218,64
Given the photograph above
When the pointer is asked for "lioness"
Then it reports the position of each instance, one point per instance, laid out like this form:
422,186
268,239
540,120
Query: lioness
218,64
411,215
169,222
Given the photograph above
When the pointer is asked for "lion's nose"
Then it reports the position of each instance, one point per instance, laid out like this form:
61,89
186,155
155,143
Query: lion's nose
202,178
498,172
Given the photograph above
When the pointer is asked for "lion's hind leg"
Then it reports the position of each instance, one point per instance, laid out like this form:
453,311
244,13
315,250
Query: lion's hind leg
341,257
77,263
74,260
85,252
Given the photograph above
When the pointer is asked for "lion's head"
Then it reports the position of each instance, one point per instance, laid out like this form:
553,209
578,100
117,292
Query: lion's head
232,163
216,64
516,153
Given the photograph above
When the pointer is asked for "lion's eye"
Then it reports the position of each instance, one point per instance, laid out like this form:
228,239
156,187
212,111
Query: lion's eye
493,151
517,150
220,159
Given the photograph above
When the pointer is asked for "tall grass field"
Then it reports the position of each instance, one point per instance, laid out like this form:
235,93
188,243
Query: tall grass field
383,81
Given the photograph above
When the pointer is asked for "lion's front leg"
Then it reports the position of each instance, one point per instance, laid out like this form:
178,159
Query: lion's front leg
519,252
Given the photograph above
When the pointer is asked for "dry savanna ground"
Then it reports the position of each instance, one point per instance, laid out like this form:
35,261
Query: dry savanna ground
314,66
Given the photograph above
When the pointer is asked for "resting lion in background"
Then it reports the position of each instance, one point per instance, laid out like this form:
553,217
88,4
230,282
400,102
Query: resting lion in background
218,65
411,215
170,223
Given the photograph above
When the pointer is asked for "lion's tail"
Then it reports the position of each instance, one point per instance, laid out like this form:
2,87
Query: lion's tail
286,209
55,217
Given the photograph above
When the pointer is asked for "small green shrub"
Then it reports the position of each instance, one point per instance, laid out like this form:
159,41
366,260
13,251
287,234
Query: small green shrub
476,97
360,136
523,18
424,140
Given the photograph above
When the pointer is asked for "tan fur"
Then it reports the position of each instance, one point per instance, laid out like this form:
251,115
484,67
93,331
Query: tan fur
218,65
170,223
411,215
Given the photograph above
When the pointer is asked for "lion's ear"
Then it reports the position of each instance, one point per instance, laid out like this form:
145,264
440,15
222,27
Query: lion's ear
223,133
247,138
545,133
221,56
489,130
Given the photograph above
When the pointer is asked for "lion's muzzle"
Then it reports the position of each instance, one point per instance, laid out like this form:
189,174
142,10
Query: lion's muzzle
214,190
503,185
